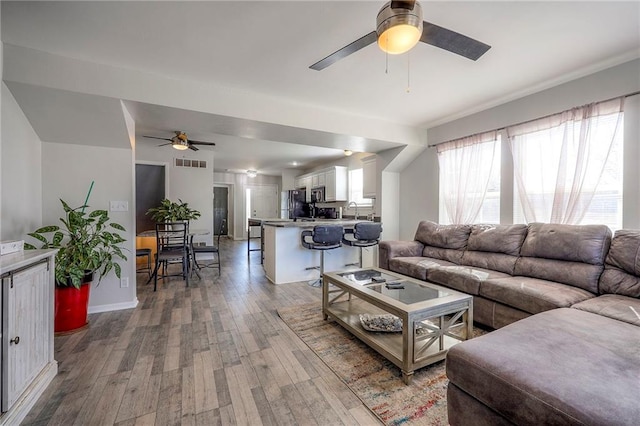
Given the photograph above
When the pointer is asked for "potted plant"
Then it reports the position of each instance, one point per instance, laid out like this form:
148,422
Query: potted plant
169,211
87,245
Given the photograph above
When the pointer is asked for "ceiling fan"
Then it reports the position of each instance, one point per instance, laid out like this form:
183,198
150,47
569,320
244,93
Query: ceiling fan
399,27
181,141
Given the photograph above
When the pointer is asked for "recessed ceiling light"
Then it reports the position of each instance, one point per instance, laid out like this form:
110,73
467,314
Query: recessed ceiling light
295,163
348,152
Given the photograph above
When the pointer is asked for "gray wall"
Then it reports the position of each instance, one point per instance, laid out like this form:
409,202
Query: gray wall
67,172
419,181
20,188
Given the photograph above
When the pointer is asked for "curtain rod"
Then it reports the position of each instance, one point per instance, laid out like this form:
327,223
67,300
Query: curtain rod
528,121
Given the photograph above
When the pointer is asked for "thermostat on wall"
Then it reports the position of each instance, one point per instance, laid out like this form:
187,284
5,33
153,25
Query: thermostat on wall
13,246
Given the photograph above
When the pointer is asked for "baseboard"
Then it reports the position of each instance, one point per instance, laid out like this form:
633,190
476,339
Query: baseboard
113,307
30,396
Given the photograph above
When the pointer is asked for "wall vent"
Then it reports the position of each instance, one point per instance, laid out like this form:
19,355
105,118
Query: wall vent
194,164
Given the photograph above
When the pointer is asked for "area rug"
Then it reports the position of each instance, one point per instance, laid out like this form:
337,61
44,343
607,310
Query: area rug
376,381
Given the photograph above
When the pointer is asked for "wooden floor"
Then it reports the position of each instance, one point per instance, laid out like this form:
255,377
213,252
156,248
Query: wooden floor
213,353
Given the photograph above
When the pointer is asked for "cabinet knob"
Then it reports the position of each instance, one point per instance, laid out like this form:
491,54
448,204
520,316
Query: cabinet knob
15,340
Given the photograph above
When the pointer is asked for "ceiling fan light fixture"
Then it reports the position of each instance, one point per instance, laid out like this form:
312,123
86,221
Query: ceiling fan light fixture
252,173
399,29
179,143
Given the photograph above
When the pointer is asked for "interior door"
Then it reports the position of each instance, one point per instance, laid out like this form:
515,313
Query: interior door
150,184
220,209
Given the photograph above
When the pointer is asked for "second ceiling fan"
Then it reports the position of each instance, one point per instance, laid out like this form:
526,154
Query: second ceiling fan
400,27
181,141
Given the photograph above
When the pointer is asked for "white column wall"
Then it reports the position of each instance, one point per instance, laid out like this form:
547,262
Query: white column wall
21,187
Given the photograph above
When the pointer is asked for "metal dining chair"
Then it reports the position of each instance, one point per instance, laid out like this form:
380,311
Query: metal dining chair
172,247
215,250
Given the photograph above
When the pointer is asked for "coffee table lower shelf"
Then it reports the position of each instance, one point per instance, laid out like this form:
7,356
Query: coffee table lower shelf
423,340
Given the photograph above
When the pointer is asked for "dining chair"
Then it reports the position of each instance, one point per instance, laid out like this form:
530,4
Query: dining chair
215,250
172,247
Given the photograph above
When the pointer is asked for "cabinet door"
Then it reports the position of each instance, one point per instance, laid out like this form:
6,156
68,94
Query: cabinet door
369,178
314,181
330,186
28,328
322,181
307,186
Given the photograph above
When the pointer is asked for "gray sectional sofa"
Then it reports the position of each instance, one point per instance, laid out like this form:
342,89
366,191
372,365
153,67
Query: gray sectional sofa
566,302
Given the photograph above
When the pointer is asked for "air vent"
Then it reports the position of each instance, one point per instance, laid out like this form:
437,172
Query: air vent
194,164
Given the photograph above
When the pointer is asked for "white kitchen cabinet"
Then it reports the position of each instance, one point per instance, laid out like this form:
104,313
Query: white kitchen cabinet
369,177
336,184
28,365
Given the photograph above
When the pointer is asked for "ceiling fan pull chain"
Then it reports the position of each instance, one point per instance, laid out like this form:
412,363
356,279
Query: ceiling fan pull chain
386,59
409,72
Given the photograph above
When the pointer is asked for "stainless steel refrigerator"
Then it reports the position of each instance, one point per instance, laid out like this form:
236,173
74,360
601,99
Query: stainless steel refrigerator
294,204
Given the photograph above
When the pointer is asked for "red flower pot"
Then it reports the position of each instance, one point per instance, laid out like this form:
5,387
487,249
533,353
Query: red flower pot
71,307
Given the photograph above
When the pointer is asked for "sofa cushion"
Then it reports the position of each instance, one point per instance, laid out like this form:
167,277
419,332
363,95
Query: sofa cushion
559,367
622,267
462,278
531,294
505,239
415,267
451,255
496,261
576,243
577,274
443,236
621,308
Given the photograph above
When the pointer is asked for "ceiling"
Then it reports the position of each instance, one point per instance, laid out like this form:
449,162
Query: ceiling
265,48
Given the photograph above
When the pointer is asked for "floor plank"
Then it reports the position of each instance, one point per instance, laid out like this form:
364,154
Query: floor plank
215,353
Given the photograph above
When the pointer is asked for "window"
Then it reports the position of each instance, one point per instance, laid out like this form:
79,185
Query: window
568,167
356,183
470,179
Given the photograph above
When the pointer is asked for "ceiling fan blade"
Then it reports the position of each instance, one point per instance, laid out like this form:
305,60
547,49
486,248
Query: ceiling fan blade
193,148
165,144
408,5
452,41
345,51
154,137
202,143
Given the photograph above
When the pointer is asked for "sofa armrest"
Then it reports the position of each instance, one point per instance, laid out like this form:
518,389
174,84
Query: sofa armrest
390,249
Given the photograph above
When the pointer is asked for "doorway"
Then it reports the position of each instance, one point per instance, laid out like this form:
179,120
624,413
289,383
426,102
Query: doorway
220,209
150,191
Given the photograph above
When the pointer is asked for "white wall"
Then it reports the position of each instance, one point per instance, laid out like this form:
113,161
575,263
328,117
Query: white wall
67,172
191,185
419,181
20,154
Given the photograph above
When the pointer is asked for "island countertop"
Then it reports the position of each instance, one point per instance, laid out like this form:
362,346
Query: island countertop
310,224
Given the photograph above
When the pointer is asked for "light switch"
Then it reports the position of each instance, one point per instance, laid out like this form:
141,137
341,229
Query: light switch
119,206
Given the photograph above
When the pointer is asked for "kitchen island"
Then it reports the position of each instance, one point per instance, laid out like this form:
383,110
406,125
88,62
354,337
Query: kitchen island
286,261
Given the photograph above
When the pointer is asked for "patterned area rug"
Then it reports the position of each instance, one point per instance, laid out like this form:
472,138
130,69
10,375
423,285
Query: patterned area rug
376,381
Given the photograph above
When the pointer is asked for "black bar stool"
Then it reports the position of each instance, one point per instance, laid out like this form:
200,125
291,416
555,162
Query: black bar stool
323,238
142,252
363,234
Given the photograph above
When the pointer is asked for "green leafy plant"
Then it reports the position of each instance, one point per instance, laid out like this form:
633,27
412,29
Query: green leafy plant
87,244
169,211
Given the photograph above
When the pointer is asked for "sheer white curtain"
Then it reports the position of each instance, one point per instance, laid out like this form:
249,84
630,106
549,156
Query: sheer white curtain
559,161
466,167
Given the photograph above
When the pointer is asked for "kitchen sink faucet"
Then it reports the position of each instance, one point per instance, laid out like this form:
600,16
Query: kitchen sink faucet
355,205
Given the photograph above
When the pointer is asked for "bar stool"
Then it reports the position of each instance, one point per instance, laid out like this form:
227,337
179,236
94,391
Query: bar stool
323,238
142,252
363,234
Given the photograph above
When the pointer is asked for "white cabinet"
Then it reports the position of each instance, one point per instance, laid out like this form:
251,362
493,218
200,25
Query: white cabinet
28,326
369,177
336,184
28,365
334,180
